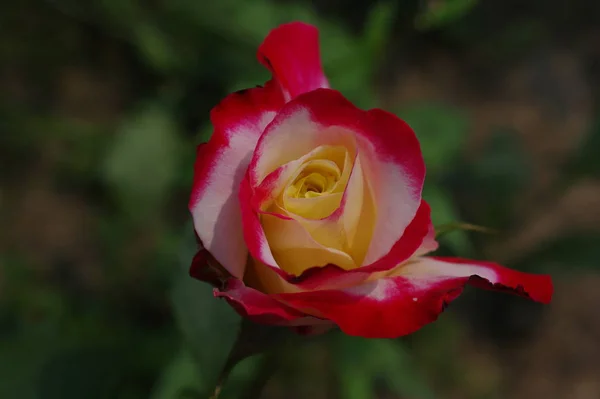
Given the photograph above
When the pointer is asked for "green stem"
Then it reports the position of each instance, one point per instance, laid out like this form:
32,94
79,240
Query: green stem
253,339
232,360
450,227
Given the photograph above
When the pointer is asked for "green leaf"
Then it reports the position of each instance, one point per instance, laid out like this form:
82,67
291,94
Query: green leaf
218,339
442,131
209,325
181,376
142,163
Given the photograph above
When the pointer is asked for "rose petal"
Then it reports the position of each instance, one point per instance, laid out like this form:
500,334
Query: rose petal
266,280
295,250
429,243
272,186
203,269
254,234
486,275
317,327
332,276
220,166
414,295
291,52
396,172
259,307
333,160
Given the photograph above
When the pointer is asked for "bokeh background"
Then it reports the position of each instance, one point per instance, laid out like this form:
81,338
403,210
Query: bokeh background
101,106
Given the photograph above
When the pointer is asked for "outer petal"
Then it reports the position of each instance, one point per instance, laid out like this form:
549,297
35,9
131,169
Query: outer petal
204,270
253,232
220,166
318,327
266,280
291,52
414,295
429,243
260,307
396,170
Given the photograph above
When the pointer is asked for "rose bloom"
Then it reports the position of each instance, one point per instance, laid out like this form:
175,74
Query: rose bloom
309,210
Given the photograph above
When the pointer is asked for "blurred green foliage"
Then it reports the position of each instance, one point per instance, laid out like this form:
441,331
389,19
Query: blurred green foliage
437,13
142,163
147,329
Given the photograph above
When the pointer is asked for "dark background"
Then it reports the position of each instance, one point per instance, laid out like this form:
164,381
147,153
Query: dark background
101,106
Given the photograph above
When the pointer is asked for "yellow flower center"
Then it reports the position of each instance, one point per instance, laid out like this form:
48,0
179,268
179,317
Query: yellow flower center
317,178
316,189
321,231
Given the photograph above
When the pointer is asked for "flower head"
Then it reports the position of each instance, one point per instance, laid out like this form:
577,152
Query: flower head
309,210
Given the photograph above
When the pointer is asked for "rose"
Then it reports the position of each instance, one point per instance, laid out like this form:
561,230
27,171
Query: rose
309,210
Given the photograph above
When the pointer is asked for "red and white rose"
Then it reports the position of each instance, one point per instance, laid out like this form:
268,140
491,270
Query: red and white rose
309,210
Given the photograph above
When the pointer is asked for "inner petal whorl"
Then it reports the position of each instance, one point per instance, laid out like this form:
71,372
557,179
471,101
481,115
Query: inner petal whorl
318,177
316,189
